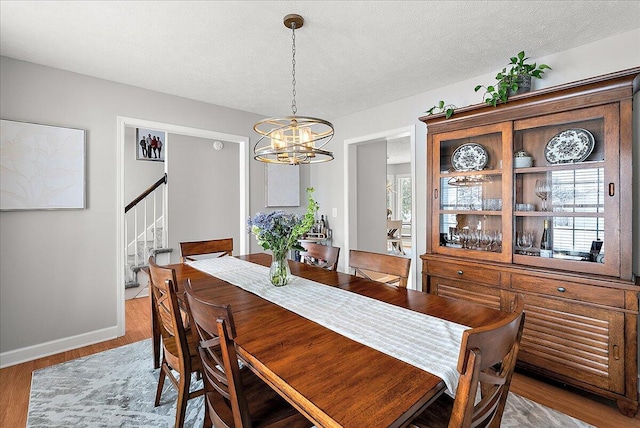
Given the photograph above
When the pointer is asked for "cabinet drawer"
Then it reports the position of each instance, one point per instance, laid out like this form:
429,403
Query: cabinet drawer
482,295
464,272
569,290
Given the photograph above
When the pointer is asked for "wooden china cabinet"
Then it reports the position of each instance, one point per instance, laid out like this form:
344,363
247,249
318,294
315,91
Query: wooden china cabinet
488,170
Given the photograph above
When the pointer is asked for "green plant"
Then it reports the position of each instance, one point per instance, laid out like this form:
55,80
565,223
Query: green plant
509,79
448,109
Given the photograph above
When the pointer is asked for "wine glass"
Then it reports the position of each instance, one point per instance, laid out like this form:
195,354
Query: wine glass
525,239
486,239
543,190
498,241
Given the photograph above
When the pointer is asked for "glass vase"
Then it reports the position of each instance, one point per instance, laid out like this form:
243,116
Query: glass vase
279,273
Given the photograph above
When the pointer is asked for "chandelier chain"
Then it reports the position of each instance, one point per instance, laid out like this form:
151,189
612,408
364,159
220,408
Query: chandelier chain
294,107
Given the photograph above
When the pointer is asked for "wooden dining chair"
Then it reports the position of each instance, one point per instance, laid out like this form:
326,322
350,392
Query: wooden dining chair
379,267
194,248
233,397
220,247
179,349
486,363
324,256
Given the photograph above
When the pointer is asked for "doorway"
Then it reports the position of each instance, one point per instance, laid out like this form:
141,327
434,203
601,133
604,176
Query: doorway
399,194
198,184
370,161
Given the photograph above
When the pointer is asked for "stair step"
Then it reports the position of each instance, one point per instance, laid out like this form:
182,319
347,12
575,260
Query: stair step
131,284
142,262
163,250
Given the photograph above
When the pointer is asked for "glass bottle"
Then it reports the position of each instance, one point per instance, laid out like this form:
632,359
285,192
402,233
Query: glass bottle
546,246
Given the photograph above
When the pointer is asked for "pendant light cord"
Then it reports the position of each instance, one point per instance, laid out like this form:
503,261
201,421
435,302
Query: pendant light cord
294,107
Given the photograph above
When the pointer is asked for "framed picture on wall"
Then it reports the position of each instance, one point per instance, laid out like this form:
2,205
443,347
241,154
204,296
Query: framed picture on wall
150,145
282,185
42,167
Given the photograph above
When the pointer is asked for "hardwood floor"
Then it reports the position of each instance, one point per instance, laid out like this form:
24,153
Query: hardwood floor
15,381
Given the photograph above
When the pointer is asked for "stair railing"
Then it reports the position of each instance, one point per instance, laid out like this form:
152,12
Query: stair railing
153,228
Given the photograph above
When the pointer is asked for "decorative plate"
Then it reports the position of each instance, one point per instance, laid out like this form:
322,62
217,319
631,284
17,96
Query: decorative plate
469,157
571,145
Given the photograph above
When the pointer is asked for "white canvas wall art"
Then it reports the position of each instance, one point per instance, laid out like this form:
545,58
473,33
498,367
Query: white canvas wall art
41,167
283,185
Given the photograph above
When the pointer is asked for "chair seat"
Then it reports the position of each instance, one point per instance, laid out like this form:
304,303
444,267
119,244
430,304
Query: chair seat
171,352
437,415
266,407
263,401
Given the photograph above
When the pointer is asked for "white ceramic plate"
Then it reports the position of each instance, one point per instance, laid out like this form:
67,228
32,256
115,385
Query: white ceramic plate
571,145
469,157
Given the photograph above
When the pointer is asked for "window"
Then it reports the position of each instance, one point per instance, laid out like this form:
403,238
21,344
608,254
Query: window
403,196
578,191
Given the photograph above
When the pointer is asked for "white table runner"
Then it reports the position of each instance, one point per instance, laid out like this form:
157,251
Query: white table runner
424,341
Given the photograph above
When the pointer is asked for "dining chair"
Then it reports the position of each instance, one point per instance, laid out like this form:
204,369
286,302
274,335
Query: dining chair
394,235
324,256
179,349
219,247
212,246
386,268
486,363
233,397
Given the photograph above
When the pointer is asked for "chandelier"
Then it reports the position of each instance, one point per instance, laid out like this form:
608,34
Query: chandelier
293,139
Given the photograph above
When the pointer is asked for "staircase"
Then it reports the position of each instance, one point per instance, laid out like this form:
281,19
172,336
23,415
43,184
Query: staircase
146,223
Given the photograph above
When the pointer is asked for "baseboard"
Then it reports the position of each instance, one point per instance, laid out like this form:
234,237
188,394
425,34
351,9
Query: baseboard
30,353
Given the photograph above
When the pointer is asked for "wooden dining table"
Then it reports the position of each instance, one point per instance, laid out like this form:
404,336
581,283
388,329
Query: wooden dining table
333,380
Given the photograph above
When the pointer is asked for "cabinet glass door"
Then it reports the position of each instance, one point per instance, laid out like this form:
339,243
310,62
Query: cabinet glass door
469,193
568,185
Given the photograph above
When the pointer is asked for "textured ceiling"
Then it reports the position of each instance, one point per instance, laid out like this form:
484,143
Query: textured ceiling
398,150
351,55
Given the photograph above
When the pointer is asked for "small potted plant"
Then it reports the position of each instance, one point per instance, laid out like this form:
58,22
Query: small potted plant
515,80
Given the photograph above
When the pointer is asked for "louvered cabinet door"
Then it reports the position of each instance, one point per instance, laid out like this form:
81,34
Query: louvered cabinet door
578,341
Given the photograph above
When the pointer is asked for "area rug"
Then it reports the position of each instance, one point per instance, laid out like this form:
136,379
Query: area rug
116,388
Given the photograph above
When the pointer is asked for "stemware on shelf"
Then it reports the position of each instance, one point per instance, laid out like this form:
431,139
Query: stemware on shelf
543,190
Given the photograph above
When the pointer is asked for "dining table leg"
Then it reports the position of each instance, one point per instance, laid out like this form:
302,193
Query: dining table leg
155,332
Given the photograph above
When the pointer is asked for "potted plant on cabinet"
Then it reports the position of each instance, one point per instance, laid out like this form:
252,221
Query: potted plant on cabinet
515,80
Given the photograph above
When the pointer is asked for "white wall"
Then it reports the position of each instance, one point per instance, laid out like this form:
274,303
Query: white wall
203,192
58,268
371,179
608,55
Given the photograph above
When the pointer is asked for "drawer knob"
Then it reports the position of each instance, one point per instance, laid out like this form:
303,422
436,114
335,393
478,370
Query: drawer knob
561,289
460,272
